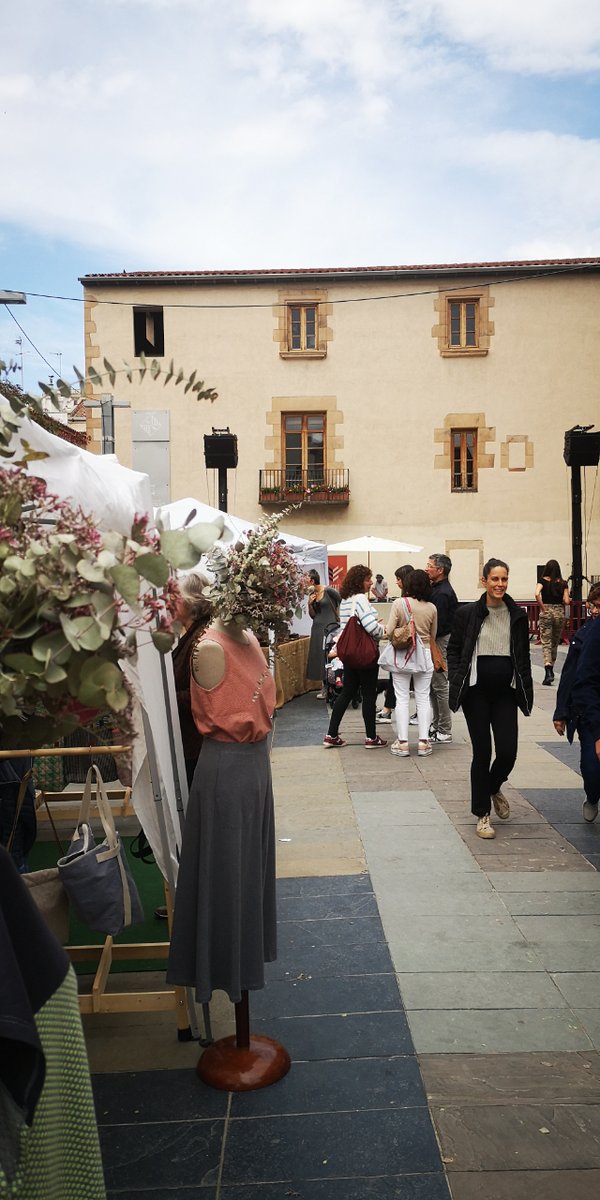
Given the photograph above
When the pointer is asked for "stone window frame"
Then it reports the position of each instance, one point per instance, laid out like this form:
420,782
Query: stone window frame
443,437
334,440
505,451
302,298
485,327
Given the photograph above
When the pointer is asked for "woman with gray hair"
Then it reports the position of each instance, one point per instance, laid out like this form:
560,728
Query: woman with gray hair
194,610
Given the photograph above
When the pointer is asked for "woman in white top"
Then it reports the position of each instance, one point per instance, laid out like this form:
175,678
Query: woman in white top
417,591
354,593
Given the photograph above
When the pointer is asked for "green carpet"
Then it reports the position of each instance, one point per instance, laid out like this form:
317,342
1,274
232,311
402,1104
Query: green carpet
149,883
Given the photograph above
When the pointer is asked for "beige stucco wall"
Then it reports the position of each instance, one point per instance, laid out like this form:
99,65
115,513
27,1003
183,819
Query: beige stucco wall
391,398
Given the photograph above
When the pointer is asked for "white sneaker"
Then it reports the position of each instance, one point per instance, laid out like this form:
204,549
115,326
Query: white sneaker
590,810
384,718
424,749
485,829
400,749
501,806
414,720
440,737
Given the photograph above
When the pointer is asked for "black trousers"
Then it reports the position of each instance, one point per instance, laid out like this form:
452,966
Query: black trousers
491,708
366,680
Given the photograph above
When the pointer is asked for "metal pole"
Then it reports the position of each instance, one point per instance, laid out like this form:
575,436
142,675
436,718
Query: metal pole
108,423
223,489
576,536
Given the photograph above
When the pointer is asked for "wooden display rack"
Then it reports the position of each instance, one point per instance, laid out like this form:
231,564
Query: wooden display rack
99,1000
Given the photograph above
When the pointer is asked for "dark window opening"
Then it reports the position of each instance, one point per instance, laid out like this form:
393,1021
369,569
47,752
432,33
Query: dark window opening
148,332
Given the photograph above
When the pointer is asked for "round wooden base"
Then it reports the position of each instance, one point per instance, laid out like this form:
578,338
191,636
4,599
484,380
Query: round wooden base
232,1068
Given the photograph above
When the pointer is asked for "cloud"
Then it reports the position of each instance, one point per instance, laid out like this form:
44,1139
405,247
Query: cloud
530,36
263,132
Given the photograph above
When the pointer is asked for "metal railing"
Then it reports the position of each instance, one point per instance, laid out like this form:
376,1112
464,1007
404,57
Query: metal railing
292,485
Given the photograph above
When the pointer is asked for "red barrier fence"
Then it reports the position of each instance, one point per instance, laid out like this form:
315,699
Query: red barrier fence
576,615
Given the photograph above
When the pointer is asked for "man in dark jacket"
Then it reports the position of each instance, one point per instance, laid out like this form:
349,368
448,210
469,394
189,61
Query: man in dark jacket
584,711
443,596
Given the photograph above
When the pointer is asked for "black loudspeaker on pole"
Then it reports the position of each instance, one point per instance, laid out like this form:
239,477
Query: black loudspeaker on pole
221,454
582,449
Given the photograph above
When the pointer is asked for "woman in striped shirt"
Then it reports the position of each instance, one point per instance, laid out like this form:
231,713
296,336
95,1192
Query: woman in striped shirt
354,593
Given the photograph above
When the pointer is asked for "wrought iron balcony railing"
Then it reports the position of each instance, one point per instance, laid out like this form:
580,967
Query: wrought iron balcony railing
292,485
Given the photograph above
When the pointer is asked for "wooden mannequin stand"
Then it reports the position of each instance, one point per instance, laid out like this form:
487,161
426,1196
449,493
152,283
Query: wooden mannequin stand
245,1061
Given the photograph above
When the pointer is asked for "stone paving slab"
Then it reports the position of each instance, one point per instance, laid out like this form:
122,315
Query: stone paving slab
557,904
491,1079
486,990
497,1031
451,952
519,1136
580,988
525,1185
424,895
582,879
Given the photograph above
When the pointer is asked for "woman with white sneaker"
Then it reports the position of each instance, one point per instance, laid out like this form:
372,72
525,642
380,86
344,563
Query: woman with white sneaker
489,670
416,604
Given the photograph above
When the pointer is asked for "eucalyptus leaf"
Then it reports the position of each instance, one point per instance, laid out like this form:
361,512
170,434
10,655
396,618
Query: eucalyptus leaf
162,640
82,632
203,536
178,549
54,643
23,662
127,582
153,567
53,673
91,571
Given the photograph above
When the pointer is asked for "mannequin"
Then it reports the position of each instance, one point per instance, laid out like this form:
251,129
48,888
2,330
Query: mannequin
224,927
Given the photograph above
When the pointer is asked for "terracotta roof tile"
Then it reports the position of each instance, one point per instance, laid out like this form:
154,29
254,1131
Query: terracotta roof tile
374,271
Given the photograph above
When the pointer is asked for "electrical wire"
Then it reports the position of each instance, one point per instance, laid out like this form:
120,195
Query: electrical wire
32,344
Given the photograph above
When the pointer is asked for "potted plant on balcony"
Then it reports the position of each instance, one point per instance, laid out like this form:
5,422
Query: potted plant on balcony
339,492
294,490
270,494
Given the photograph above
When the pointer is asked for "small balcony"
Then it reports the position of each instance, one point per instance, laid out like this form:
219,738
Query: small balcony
294,486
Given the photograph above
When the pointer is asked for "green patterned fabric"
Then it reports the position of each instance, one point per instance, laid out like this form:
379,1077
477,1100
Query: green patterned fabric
60,1154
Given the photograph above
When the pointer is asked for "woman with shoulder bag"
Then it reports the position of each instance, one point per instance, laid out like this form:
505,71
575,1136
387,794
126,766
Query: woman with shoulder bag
355,604
416,608
489,672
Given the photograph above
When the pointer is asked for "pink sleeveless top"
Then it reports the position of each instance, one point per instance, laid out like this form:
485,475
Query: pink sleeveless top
240,707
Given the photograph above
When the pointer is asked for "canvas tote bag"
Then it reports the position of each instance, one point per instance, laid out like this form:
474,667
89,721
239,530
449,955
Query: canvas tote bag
97,879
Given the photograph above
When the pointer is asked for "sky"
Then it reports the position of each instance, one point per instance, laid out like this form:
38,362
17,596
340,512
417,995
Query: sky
206,134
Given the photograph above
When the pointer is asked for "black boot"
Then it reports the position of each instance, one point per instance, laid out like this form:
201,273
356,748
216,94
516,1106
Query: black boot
547,680
552,672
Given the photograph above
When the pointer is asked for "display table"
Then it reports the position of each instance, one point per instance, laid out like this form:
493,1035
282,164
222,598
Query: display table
290,670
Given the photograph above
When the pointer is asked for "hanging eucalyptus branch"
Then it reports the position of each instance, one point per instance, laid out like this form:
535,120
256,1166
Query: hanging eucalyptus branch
74,601
22,402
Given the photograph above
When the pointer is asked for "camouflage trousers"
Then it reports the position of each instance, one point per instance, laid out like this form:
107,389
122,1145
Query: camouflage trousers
550,624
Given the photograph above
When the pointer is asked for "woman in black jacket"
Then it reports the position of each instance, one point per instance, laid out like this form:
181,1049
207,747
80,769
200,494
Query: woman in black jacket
489,669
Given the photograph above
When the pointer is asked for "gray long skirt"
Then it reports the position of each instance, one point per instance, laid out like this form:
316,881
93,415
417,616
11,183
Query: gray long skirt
225,924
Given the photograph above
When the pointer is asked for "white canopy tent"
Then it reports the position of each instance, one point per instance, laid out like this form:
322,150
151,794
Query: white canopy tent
373,545
113,495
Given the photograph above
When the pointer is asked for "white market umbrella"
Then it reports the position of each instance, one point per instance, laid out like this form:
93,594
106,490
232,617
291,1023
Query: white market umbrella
372,545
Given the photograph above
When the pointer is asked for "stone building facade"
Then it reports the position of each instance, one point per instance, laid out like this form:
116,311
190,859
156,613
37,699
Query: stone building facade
425,403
